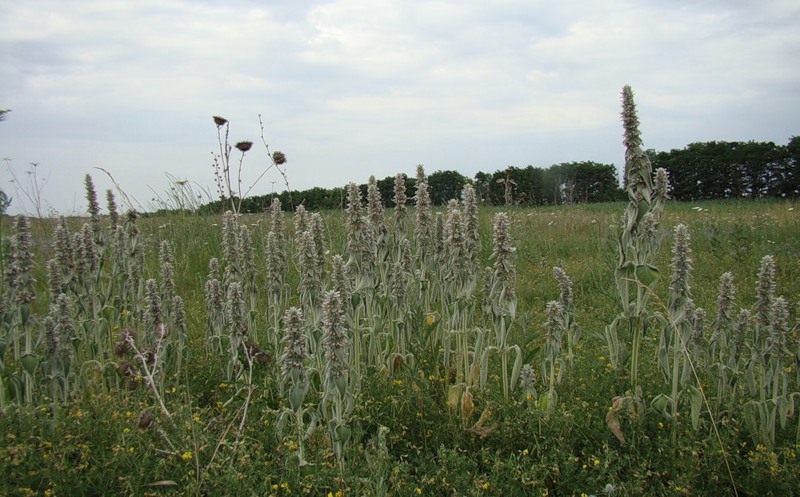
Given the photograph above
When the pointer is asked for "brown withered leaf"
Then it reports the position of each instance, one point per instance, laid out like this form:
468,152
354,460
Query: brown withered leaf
613,422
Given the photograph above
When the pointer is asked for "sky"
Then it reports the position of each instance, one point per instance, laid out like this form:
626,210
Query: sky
352,88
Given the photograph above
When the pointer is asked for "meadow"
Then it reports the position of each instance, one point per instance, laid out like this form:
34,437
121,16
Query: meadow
646,347
122,388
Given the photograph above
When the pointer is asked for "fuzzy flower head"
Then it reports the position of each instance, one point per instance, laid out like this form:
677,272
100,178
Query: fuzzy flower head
472,236
681,265
454,234
335,342
60,328
340,277
276,220
630,120
765,290
375,209
400,197
527,377
661,184
20,271
153,316
398,282
424,218
300,220
235,310
565,289
503,253
166,263
111,205
726,299
295,351
91,198
275,261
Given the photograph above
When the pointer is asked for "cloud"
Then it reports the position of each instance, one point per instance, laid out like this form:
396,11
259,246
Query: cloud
349,88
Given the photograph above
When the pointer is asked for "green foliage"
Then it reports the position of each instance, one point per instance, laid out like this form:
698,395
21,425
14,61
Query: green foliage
715,170
222,436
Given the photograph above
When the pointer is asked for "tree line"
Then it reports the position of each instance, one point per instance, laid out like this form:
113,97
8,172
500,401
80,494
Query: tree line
700,171
717,170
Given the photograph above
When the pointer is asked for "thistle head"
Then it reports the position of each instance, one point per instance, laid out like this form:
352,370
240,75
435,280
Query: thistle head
279,158
244,146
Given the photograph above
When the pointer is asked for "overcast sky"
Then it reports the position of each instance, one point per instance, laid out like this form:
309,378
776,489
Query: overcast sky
350,88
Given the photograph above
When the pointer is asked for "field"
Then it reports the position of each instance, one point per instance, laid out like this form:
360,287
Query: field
424,374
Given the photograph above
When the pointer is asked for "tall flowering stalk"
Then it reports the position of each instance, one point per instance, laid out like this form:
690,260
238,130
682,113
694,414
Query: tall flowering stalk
503,300
21,294
166,266
310,272
276,287
456,288
295,382
725,351
111,205
215,307
472,238
375,210
676,335
277,223
337,401
59,335
94,206
638,243
423,227
553,365
455,242
317,228
766,374
236,323
360,235
400,199
565,298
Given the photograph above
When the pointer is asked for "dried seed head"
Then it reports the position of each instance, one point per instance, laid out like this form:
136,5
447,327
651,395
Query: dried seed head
146,419
220,121
278,157
126,369
244,146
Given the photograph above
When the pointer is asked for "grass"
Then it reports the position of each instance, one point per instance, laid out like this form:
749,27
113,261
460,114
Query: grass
97,444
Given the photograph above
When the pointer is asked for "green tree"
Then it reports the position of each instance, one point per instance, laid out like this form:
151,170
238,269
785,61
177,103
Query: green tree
445,185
